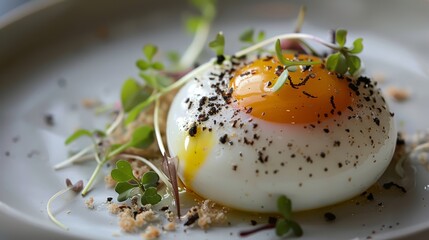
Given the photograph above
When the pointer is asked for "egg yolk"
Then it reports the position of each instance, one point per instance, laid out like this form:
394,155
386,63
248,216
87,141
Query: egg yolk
310,94
193,151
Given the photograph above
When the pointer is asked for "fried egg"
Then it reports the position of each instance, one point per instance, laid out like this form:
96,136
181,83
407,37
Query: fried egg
321,139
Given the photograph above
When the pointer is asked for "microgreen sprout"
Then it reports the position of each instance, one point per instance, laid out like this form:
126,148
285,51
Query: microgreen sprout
129,186
142,137
218,46
200,26
345,60
282,225
285,224
287,66
249,37
77,187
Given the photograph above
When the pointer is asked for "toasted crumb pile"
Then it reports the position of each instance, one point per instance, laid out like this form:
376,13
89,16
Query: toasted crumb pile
170,226
205,215
90,203
151,233
133,217
398,94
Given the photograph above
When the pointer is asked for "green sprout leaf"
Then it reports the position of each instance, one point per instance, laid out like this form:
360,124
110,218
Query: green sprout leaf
150,196
247,36
357,46
285,224
150,179
157,66
354,64
280,81
132,94
218,44
193,22
149,79
260,37
345,60
123,171
288,66
340,37
282,227
149,51
78,134
288,63
284,206
142,137
296,228
173,57
142,64
123,186
99,133
123,196
337,63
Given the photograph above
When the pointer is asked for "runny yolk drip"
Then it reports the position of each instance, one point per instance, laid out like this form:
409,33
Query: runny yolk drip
193,153
310,94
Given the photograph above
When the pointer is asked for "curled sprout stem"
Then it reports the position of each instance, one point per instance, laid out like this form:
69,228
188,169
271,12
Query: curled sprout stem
283,37
49,211
157,130
197,45
73,158
93,177
115,123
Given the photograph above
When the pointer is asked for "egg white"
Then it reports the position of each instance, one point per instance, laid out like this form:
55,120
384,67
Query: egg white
312,166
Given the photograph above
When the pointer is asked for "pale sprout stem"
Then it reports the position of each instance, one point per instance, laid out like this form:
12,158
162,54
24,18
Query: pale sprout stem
48,207
115,123
185,78
93,177
421,147
73,158
97,157
157,130
197,45
286,36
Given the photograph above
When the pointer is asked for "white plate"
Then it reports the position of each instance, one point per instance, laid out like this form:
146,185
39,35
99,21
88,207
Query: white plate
52,56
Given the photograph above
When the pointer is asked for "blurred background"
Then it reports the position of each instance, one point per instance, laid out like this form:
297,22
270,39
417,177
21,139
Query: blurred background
7,5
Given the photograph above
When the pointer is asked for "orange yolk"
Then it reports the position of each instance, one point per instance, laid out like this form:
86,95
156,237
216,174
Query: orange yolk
309,95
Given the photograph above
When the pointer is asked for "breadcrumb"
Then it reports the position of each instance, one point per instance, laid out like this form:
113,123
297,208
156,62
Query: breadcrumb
169,215
90,203
140,220
206,215
109,181
149,215
398,94
113,208
151,232
127,223
170,226
90,103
